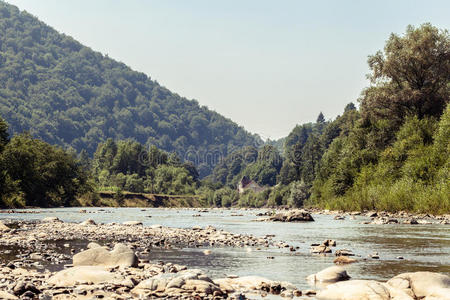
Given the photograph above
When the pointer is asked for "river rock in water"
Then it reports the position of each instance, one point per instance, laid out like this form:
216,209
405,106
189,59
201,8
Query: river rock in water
292,216
121,256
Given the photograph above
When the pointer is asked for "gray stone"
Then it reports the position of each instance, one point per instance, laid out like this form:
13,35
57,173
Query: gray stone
292,216
132,223
72,276
176,282
355,289
121,256
88,222
331,274
426,285
93,245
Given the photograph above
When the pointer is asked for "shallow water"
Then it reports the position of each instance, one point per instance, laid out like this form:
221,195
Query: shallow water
424,247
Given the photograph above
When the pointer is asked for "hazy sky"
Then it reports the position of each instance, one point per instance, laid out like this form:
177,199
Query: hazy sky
267,65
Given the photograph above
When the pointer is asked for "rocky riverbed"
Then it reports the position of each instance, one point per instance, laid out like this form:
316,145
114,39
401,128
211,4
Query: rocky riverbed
35,253
119,274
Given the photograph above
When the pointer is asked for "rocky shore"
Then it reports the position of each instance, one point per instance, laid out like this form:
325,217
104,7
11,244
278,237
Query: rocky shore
51,259
113,270
119,274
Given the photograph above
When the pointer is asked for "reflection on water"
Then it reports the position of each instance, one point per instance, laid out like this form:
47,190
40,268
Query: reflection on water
424,247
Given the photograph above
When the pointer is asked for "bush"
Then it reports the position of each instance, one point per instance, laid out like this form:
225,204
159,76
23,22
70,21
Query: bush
299,193
224,197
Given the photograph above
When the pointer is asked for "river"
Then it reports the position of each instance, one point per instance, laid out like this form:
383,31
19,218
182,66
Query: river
424,247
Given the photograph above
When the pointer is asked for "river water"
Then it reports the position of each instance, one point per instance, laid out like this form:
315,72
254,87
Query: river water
424,247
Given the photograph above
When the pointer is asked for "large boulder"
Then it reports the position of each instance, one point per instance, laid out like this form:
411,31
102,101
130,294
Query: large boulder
151,285
426,285
248,283
200,286
245,282
121,256
361,290
292,216
82,274
331,274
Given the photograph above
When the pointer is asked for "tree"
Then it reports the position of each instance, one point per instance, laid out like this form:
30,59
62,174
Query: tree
320,118
299,193
44,174
410,77
349,107
4,137
126,165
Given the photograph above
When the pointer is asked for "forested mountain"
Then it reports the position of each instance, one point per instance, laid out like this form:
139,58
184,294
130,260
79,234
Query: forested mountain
67,94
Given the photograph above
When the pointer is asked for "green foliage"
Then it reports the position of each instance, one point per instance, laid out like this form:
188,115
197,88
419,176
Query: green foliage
303,150
261,165
128,166
64,93
412,174
35,173
252,199
4,137
173,181
10,193
299,192
225,197
279,195
410,77
394,155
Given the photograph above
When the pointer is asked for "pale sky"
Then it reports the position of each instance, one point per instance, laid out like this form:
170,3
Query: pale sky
267,65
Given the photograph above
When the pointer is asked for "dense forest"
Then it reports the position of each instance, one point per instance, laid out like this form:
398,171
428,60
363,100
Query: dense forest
128,166
66,94
81,124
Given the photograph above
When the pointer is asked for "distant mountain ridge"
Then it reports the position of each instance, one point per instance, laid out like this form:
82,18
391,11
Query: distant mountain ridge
67,94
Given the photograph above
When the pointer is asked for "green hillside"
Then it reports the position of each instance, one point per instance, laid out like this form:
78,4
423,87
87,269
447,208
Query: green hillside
67,94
